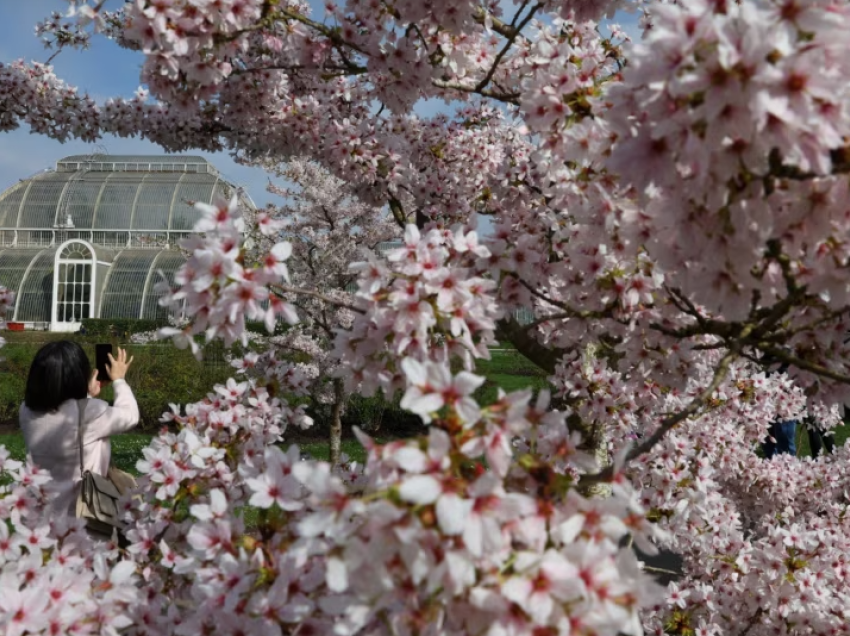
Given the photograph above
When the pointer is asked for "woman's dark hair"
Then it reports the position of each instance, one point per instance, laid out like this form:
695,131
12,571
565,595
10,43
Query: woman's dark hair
60,372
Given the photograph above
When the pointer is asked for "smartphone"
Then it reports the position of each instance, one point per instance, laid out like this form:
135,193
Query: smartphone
101,355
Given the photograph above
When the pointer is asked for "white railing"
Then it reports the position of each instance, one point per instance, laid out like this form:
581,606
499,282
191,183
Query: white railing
117,238
131,166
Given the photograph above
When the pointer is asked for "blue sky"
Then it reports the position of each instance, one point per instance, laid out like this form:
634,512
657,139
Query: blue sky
104,70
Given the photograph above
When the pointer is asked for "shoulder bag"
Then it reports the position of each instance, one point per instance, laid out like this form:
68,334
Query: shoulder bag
97,501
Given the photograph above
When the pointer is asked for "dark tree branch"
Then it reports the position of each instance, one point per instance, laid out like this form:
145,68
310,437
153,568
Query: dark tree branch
286,289
397,211
569,312
509,44
499,27
792,360
543,356
507,98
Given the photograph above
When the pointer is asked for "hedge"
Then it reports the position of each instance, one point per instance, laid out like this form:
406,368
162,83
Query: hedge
117,327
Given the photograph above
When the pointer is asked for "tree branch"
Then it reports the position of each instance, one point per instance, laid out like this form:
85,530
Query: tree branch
544,357
507,98
540,321
668,423
397,211
331,34
568,311
343,69
506,30
286,289
812,367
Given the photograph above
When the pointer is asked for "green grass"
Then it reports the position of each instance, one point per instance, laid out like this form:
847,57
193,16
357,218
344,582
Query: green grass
321,451
509,371
127,449
840,435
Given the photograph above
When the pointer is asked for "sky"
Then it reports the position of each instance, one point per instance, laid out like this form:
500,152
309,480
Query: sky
104,70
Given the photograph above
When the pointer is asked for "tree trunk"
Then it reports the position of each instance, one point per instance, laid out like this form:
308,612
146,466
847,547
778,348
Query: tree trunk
597,445
519,336
335,433
595,440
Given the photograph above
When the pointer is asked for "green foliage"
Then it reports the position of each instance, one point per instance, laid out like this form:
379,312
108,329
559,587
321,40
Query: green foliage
127,449
117,327
280,328
320,450
15,445
163,375
160,375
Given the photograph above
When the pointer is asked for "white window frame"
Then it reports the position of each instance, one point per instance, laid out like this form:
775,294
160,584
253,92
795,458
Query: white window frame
57,324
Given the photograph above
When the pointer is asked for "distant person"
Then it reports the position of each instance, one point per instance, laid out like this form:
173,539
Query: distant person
782,439
782,435
61,375
819,439
785,434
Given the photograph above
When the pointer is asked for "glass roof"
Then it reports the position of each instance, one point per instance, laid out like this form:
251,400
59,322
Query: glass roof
135,164
146,201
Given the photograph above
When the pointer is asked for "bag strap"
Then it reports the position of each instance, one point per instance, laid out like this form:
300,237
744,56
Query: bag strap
81,408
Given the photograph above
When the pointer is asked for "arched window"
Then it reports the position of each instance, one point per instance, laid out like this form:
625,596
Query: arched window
73,285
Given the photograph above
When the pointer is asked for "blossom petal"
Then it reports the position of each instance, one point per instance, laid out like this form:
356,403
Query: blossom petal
452,512
420,489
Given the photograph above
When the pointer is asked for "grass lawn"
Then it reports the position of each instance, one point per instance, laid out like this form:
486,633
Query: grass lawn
127,449
510,371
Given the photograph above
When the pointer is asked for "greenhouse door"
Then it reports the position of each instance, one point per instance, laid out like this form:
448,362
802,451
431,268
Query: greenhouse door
73,286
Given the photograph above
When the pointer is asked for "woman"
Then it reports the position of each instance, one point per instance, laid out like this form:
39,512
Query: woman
59,376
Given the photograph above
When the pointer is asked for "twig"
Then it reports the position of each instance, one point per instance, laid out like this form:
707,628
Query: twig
509,44
540,321
332,35
346,69
752,621
650,568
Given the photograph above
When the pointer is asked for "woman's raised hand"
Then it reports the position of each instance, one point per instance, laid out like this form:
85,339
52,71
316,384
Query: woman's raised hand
117,367
94,385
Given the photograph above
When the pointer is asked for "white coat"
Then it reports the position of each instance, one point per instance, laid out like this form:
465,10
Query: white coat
52,439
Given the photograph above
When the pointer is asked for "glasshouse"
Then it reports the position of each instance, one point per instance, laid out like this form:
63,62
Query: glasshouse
88,239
